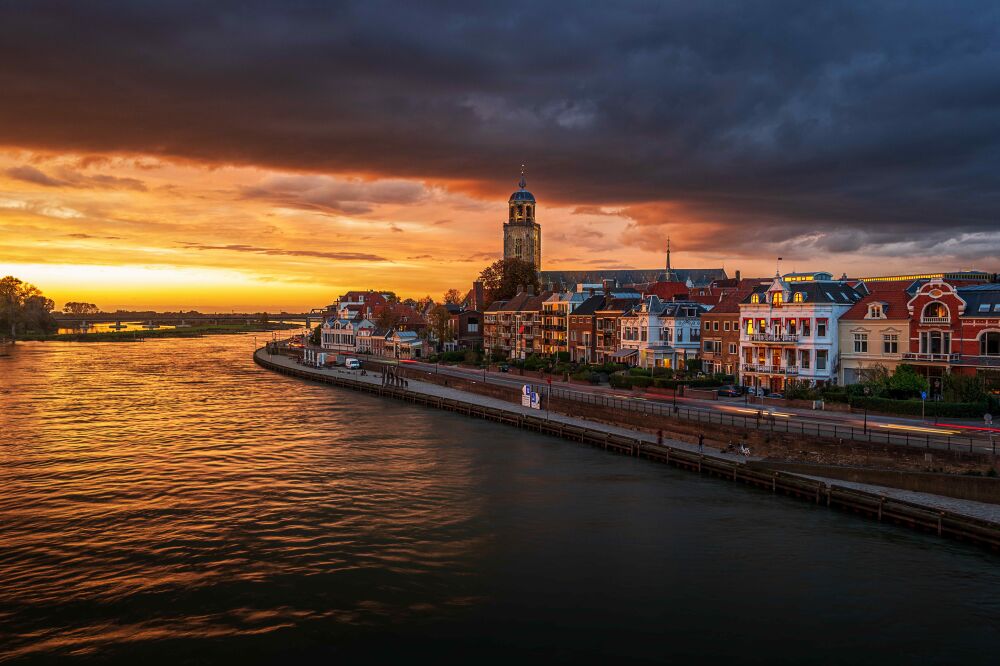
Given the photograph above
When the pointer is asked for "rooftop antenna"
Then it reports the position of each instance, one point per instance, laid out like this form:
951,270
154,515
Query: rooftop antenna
522,183
777,268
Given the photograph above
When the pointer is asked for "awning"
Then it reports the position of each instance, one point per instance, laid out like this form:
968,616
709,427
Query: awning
625,353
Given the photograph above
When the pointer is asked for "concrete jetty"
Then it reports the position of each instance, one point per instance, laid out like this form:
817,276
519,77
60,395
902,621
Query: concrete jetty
966,520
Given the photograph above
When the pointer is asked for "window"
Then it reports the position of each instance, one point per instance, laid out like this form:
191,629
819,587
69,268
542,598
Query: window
725,325
935,342
732,348
776,298
517,248
805,327
715,325
890,343
860,343
798,297
935,312
791,327
984,307
875,311
804,360
755,298
643,338
821,328
989,344
708,326
680,335
821,359
749,326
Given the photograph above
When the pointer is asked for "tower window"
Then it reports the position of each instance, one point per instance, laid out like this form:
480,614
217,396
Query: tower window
517,248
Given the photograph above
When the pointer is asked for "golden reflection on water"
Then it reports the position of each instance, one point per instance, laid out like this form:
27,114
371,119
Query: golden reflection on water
157,469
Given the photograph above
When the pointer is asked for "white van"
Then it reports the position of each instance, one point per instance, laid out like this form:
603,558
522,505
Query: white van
352,364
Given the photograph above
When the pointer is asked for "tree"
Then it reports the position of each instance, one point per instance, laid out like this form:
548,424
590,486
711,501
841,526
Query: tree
452,297
23,306
73,307
387,317
504,277
905,382
440,320
316,337
424,302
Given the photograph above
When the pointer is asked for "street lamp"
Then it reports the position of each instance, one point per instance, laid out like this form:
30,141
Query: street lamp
867,391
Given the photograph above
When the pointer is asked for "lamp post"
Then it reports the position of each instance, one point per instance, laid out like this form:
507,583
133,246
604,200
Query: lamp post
867,391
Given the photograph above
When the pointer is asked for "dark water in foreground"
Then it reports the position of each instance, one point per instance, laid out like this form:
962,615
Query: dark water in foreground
170,502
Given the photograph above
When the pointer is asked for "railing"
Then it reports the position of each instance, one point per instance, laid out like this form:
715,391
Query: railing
763,421
935,320
924,356
773,337
771,369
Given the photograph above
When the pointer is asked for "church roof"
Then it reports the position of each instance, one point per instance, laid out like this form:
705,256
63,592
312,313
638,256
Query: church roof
698,276
522,195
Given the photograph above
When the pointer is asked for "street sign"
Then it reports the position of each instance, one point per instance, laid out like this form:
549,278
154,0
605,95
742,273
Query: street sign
530,398
923,395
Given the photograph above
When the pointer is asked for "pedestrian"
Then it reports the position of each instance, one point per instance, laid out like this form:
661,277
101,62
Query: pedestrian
701,443
659,437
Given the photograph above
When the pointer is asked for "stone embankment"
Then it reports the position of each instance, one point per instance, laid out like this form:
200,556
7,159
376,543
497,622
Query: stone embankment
961,519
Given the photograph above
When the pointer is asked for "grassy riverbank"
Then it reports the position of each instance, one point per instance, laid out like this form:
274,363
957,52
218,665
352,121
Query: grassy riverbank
135,335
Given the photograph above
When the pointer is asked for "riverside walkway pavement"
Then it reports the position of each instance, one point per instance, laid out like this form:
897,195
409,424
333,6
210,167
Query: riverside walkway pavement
978,510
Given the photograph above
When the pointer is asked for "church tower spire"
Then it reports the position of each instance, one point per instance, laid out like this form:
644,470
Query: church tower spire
669,276
522,236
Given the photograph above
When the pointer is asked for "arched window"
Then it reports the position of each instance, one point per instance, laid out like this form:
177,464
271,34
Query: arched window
777,298
798,297
935,311
517,248
989,344
755,298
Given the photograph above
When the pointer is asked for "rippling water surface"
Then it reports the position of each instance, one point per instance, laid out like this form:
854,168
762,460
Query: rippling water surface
169,501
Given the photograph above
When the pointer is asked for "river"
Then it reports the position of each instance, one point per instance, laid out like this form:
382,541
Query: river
170,501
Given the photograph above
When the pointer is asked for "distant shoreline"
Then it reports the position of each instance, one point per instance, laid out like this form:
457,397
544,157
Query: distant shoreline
139,335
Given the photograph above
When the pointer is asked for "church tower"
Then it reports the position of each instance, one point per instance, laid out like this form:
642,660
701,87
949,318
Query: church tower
522,236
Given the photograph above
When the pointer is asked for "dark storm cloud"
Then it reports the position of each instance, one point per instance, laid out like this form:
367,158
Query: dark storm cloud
779,119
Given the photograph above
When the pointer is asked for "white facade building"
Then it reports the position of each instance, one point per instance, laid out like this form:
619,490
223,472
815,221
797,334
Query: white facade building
789,331
661,334
339,336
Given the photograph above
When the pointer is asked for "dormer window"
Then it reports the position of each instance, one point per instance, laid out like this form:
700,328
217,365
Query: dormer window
798,297
755,298
777,298
875,311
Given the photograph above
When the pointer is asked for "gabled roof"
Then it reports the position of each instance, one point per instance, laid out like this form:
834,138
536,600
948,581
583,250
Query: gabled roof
839,293
666,290
893,296
525,302
589,306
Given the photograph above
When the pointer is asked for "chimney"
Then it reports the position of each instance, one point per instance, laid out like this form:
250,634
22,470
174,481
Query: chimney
531,290
520,288
737,275
477,295
608,286
551,286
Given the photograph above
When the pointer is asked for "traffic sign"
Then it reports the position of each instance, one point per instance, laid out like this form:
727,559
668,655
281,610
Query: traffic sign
923,395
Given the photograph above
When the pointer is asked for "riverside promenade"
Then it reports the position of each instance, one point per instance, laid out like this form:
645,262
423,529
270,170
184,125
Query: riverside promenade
968,520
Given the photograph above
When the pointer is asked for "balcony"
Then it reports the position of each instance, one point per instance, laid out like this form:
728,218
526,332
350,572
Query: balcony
779,338
787,370
935,320
932,358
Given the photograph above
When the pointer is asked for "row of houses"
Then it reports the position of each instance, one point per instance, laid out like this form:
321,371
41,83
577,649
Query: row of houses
766,332
808,327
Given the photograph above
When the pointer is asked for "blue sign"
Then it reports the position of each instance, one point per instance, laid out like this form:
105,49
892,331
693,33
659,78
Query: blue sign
923,395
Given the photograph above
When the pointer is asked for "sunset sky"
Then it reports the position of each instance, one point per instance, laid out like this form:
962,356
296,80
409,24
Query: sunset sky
219,156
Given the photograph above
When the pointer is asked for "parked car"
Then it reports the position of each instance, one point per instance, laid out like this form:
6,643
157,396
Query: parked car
730,392
774,395
503,367
352,364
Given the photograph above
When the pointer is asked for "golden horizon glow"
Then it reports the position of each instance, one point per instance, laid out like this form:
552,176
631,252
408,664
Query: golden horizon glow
140,232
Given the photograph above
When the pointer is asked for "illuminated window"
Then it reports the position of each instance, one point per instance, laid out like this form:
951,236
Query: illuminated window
798,297
776,298
755,298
